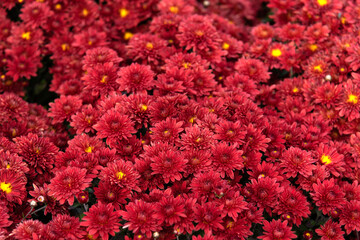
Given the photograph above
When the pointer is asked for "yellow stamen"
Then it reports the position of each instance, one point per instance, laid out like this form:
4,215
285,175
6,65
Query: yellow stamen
128,35
5,187
143,107
295,90
313,47
90,42
89,149
58,6
123,12
198,139
85,12
352,99
342,69
20,1
7,166
318,68
276,52
199,33
26,35
343,20
225,46
65,47
104,79
186,65
120,175
325,159
174,9
2,77
149,45
322,2
192,119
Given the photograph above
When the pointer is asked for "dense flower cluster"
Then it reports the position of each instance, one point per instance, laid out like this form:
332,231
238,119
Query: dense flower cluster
180,119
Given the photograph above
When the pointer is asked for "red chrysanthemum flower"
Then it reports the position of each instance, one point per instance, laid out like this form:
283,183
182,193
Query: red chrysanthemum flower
208,216
101,220
12,162
35,14
111,193
167,131
293,203
226,159
264,192
333,161
68,183
169,209
114,125
67,227
4,217
330,231
197,138
141,218
169,164
349,106
233,204
197,160
208,184
63,108
327,94
84,120
277,230
12,186
253,68
135,78
100,56
29,229
350,216
102,78
295,160
327,196
39,153
122,174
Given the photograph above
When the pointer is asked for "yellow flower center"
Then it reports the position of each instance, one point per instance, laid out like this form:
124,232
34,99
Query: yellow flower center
192,119
7,166
123,12
325,159
89,149
120,175
65,47
174,9
352,99
85,12
186,65
276,52
225,46
295,90
318,68
143,107
199,33
322,2
128,35
58,6
26,35
313,47
149,45
5,187
104,79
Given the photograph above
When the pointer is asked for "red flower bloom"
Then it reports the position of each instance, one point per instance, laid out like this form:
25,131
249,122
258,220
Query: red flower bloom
277,230
13,162
63,108
39,153
226,159
67,227
327,195
167,131
208,216
197,160
350,216
29,229
135,78
35,14
122,174
169,164
12,186
84,120
349,106
330,231
101,220
169,209
233,204
111,193
295,160
333,161
141,218
114,126
68,183
197,138
252,68
4,217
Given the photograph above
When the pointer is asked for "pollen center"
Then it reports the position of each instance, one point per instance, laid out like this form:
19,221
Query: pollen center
149,45
276,52
322,2
318,68
88,149
352,99
65,47
174,9
5,187
128,35
85,12
104,79
225,46
325,159
123,12
120,175
295,90
26,35
143,107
